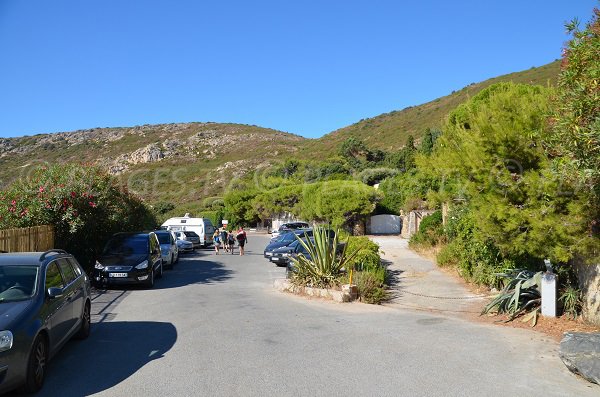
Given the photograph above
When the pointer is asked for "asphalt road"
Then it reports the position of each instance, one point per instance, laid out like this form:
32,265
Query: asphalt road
214,326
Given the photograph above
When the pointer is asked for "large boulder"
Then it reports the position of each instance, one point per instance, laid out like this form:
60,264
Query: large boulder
581,354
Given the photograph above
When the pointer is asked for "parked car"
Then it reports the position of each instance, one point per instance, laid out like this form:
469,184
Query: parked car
184,246
168,247
44,302
285,239
281,256
130,258
286,227
192,237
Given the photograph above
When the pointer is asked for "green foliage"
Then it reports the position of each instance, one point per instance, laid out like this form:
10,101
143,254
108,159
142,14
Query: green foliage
428,141
83,203
430,233
367,256
576,133
326,262
338,202
522,293
163,207
371,285
491,156
371,176
405,191
475,257
277,201
238,207
571,301
404,159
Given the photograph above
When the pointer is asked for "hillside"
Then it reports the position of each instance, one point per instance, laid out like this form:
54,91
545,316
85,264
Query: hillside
187,162
172,162
389,131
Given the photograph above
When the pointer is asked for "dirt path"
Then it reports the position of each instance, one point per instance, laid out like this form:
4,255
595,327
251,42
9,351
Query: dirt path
419,284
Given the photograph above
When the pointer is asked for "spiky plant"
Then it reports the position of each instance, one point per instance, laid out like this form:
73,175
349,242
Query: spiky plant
327,259
521,294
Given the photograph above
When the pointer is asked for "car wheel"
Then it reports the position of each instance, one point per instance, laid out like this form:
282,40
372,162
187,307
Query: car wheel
36,365
86,323
150,283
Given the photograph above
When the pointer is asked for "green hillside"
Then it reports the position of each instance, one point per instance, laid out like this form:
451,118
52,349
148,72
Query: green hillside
184,163
389,131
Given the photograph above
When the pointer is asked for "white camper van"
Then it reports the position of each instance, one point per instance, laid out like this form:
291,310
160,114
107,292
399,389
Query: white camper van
202,226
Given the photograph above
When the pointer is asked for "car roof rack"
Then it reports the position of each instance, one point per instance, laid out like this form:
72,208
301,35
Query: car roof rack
58,251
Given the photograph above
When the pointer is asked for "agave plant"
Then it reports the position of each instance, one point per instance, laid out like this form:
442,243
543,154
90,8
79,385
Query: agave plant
521,294
325,260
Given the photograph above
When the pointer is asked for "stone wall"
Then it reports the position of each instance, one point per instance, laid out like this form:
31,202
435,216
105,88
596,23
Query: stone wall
588,275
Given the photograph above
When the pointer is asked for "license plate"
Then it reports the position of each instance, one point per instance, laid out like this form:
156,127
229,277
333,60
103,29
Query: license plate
117,274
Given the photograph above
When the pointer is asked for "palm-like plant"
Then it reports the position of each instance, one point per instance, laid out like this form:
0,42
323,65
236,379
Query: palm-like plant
325,262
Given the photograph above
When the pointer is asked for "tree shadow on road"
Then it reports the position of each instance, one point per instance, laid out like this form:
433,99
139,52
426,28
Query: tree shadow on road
393,280
113,352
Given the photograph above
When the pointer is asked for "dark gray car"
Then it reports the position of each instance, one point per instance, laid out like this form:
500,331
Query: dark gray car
44,302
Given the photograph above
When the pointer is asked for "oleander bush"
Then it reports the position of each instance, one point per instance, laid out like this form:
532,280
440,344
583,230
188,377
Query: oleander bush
83,203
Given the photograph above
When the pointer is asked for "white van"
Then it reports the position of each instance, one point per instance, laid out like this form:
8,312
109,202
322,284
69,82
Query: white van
202,226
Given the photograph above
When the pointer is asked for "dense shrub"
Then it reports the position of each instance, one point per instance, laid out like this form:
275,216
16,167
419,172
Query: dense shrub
431,232
367,256
83,203
372,176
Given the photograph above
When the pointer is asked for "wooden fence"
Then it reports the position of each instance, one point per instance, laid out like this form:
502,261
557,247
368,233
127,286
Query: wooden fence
27,239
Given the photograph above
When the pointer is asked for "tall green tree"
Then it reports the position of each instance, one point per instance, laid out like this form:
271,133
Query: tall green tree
491,151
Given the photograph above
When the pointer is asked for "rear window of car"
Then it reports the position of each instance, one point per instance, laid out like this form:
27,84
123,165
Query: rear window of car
127,245
191,234
164,238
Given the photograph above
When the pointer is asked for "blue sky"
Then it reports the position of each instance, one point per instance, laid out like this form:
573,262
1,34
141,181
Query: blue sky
306,67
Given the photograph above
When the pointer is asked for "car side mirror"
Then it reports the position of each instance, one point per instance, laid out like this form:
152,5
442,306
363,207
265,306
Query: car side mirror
55,292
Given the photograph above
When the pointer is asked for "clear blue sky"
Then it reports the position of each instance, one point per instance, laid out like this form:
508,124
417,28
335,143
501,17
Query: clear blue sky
307,67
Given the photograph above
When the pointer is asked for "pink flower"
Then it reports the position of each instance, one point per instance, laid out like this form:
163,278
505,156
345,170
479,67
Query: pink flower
73,194
92,204
42,189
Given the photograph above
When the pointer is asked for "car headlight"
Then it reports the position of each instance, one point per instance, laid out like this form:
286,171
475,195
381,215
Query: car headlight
98,266
143,265
6,340
286,254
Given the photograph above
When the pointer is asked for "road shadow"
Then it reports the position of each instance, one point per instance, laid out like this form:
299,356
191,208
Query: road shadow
195,268
393,280
113,352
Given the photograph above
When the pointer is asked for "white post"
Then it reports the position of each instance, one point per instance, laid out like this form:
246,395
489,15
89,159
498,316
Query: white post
549,294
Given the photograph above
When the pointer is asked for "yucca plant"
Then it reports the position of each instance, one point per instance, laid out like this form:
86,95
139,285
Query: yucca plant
571,300
327,259
522,293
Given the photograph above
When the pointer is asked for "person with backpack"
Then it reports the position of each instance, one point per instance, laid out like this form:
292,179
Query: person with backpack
230,242
224,238
241,238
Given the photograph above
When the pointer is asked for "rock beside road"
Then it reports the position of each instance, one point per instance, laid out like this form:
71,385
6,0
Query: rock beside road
581,354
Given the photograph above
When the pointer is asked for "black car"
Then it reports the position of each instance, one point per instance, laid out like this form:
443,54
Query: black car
286,227
44,302
285,239
281,256
130,258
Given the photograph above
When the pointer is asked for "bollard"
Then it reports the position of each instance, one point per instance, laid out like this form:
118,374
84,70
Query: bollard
548,292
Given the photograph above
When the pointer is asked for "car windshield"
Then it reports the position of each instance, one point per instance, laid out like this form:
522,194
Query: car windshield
163,238
191,234
288,237
127,245
17,282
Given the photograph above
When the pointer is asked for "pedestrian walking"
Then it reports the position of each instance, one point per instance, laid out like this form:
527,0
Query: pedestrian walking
230,242
224,238
216,241
242,239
